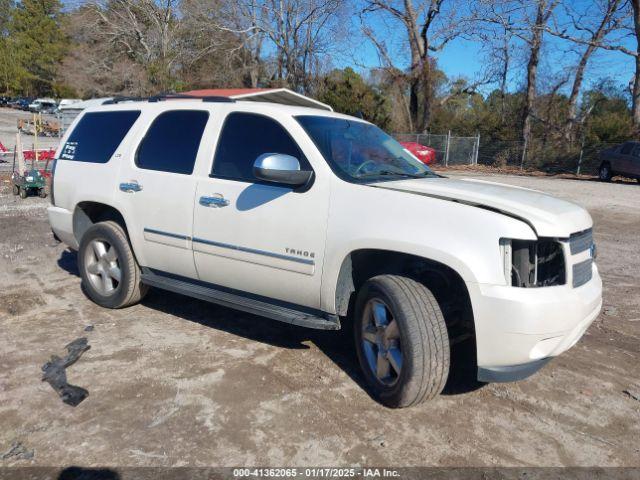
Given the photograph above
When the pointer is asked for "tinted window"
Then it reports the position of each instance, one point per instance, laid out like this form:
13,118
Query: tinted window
626,148
246,136
97,136
171,143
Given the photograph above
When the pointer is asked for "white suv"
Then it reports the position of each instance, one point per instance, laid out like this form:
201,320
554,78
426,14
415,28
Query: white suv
312,217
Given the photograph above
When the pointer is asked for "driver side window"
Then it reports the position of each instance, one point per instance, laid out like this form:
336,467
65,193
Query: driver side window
246,136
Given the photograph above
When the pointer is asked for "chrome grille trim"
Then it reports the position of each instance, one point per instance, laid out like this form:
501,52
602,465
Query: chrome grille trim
581,241
582,272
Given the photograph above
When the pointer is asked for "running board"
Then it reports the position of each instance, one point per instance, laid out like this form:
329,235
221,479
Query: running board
237,301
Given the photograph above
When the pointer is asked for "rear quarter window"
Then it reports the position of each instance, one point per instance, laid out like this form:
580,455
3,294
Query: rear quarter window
98,135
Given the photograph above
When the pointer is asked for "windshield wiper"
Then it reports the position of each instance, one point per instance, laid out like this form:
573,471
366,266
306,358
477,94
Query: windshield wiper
391,173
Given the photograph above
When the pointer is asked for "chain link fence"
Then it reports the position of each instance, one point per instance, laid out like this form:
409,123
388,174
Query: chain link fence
557,156
552,156
450,150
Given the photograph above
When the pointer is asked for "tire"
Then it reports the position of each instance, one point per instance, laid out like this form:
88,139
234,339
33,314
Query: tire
605,173
420,335
16,190
23,193
42,193
109,271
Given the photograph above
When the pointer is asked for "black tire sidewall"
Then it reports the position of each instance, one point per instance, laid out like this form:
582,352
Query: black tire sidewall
102,231
388,395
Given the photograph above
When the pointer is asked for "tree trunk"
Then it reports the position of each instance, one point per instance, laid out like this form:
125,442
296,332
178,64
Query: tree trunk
414,88
635,108
427,95
603,29
572,114
503,77
532,70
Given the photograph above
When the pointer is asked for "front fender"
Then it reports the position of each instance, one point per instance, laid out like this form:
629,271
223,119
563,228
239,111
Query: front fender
462,237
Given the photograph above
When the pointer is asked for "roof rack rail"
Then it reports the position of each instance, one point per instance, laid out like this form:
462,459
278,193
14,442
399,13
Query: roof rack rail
116,100
204,98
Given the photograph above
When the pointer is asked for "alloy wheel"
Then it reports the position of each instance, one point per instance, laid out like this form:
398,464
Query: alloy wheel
381,342
103,267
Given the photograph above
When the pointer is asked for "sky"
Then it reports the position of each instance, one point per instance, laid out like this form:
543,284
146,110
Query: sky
465,58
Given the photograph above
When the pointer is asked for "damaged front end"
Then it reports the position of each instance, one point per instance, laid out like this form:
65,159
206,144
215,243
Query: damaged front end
534,263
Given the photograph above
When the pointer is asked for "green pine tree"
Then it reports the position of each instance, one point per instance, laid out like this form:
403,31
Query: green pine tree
36,44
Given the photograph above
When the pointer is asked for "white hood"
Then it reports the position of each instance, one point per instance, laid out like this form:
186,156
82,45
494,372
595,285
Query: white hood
548,215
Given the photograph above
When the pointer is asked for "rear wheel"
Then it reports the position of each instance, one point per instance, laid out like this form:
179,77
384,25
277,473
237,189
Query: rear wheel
42,193
401,340
605,172
110,273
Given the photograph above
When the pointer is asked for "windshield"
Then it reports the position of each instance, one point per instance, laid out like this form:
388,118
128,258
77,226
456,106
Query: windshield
361,152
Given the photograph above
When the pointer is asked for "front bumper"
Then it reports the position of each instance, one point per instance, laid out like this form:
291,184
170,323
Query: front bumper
519,329
511,373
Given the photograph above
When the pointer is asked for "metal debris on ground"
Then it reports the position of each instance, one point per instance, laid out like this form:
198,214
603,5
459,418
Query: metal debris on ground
56,376
632,393
17,451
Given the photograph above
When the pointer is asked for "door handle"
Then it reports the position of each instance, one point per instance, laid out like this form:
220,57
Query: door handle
216,201
130,187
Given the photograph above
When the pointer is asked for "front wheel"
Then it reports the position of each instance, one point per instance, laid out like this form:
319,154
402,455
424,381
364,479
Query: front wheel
16,190
23,192
110,273
605,172
401,340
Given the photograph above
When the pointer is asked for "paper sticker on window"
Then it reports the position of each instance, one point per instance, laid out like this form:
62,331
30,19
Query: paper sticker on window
69,150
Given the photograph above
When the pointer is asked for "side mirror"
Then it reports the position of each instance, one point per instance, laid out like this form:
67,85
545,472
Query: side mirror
280,168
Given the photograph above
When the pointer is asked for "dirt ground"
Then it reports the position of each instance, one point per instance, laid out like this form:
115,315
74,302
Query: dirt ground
180,382
8,129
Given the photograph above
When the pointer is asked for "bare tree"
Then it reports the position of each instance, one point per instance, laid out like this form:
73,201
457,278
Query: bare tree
612,15
429,28
601,18
497,45
225,33
144,30
528,23
296,31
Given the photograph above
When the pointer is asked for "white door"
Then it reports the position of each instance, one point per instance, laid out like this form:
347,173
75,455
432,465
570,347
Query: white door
157,188
256,237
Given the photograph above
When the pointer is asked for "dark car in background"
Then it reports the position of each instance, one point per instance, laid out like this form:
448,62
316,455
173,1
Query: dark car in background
21,103
621,160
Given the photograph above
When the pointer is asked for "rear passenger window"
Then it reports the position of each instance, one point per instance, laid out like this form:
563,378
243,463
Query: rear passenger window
246,136
626,148
97,136
172,141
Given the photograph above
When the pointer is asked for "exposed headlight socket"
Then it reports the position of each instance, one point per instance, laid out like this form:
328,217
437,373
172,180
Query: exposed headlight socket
537,263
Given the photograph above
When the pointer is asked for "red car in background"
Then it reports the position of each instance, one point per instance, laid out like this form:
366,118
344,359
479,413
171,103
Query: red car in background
426,155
